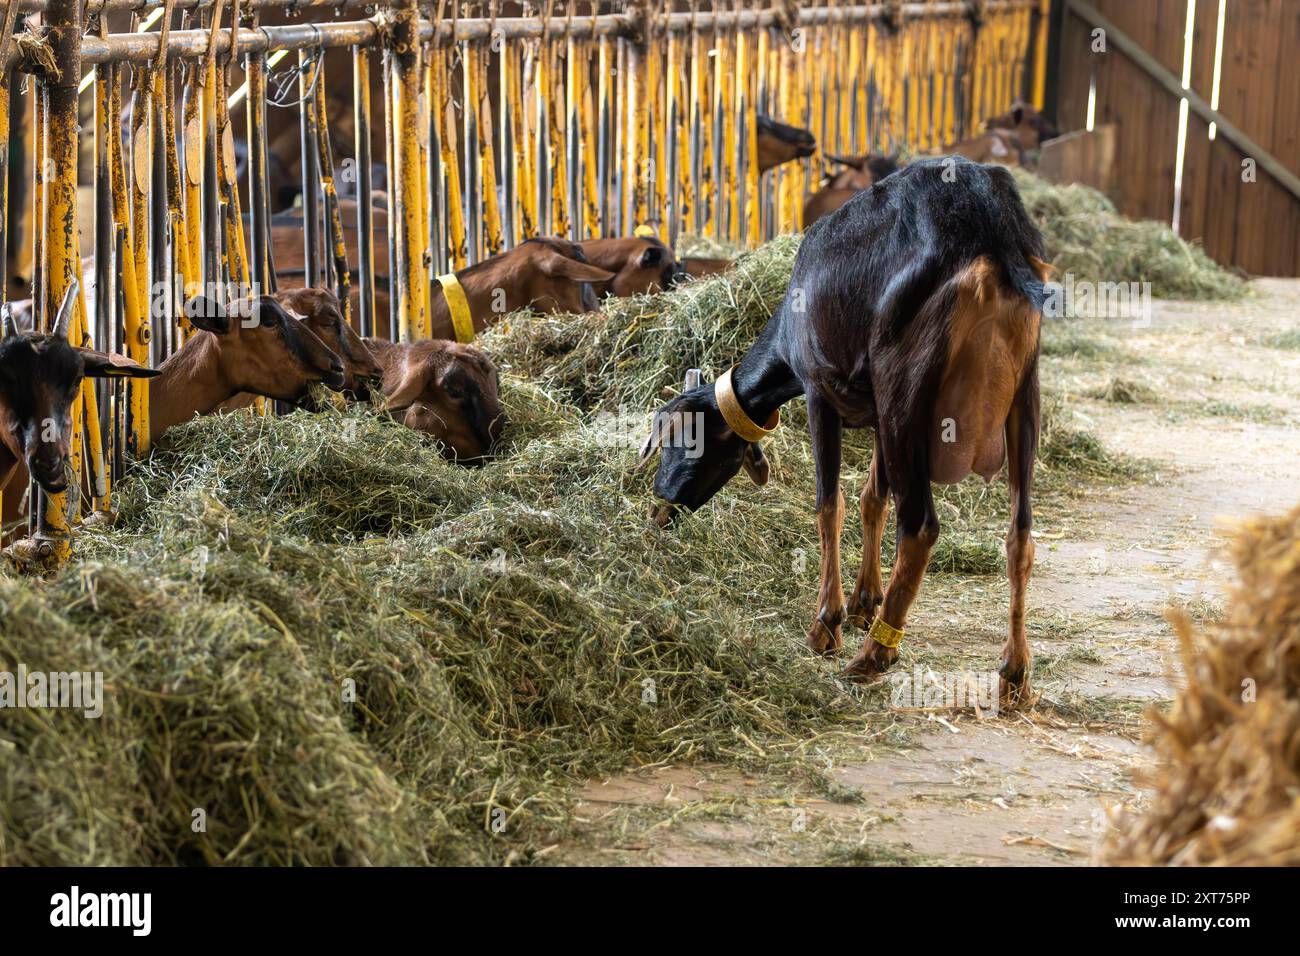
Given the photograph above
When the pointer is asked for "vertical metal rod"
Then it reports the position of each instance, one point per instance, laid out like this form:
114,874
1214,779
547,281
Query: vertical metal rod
365,189
64,37
259,228
310,169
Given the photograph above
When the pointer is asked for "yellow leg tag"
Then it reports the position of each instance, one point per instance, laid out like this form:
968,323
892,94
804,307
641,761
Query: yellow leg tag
884,635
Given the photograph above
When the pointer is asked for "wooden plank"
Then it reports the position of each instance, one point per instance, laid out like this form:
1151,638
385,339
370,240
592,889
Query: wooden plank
1081,157
1284,217
1196,161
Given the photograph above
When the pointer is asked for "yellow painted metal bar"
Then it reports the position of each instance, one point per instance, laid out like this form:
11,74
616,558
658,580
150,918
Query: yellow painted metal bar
99,478
555,105
695,208
791,198
469,75
658,83
737,150
525,177
135,325
748,85
607,133
492,234
142,111
192,191
912,40
236,250
63,264
727,53
589,145
641,170
337,244
456,238
1040,54
186,254
412,236
715,184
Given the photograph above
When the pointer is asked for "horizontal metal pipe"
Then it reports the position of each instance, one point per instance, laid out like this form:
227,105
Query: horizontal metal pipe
94,7
191,44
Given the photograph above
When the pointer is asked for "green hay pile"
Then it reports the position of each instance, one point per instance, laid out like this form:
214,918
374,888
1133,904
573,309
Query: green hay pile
1088,239
343,649
501,626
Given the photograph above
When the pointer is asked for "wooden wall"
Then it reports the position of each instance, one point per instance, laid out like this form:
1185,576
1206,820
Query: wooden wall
1254,226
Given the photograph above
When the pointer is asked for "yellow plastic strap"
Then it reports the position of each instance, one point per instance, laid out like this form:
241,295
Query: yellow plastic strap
884,635
459,305
735,416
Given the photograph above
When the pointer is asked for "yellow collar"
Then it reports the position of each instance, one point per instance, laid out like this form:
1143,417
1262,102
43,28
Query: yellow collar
461,320
735,416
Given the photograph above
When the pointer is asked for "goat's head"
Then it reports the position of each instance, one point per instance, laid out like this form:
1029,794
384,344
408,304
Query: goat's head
1029,125
449,391
779,143
699,452
263,349
40,376
640,264
861,172
553,275
323,315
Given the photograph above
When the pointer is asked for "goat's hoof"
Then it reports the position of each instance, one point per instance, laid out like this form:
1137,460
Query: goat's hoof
1013,687
32,556
100,519
823,638
870,663
862,607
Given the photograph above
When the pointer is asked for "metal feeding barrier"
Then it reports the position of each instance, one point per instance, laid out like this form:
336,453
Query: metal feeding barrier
573,119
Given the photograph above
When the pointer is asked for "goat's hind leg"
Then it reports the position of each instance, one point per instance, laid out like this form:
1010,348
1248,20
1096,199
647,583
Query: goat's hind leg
1022,443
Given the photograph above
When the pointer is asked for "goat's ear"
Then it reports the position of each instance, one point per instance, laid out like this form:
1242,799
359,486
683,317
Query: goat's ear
110,365
755,464
694,379
660,429
562,267
1045,270
207,314
853,162
652,257
410,386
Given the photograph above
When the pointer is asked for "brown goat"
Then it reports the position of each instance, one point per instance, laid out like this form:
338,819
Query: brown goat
446,390
639,264
1031,127
547,274
855,174
780,143
321,311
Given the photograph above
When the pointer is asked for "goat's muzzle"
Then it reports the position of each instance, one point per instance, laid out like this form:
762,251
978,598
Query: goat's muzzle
662,513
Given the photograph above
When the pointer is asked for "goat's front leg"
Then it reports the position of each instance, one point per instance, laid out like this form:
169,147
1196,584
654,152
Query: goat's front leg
918,530
869,591
826,428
